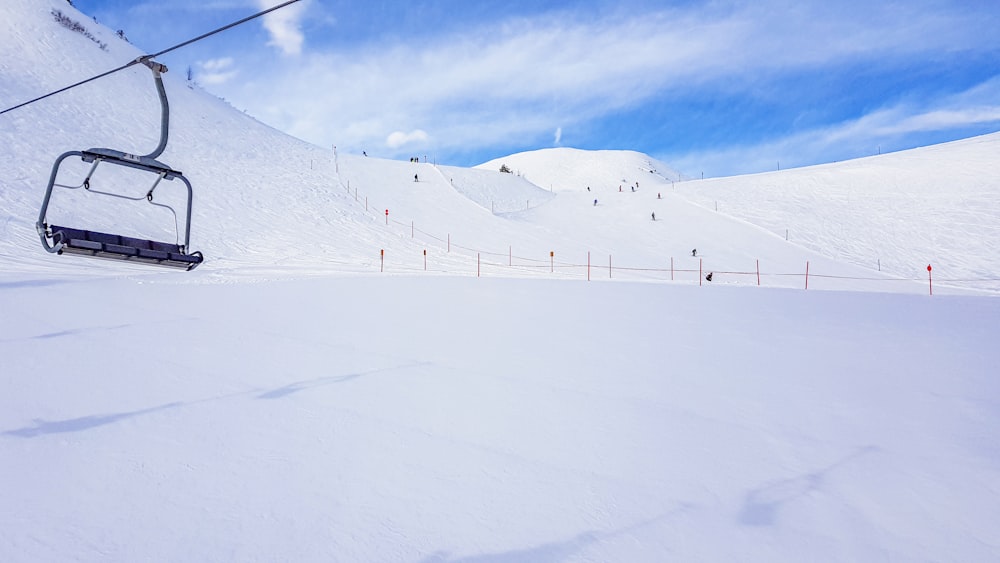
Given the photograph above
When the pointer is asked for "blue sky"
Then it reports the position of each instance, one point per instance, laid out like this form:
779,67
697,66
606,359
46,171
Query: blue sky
714,88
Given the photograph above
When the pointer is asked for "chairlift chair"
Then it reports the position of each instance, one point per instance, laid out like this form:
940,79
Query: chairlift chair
83,242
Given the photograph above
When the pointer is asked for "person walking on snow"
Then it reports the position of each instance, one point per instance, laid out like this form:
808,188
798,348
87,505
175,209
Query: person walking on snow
654,216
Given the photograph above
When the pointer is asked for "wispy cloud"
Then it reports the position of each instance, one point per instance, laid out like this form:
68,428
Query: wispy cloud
284,25
398,139
878,131
516,81
216,71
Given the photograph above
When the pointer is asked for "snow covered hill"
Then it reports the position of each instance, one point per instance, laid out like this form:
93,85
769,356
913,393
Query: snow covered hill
893,213
358,373
938,204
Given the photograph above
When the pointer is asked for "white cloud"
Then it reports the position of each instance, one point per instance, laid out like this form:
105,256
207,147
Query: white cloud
216,71
399,139
869,134
517,81
284,25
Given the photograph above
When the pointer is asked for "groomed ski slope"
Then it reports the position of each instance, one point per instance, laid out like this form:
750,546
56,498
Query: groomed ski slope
459,419
301,397
893,214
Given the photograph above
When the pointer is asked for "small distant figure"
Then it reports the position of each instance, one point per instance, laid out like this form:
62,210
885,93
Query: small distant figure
694,252
633,188
588,188
637,184
708,277
595,203
364,153
619,187
657,196
415,179
654,216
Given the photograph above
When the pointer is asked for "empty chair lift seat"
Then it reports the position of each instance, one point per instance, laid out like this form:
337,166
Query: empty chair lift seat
104,245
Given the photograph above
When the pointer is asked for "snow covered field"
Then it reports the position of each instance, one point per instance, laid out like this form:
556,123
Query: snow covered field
298,398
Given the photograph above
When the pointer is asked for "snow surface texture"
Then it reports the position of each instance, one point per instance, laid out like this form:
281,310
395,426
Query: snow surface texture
289,400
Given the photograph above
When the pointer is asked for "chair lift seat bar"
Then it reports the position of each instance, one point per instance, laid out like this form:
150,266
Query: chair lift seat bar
137,243
105,245
74,238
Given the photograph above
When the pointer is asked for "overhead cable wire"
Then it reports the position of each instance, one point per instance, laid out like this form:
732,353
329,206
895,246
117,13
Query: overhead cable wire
144,58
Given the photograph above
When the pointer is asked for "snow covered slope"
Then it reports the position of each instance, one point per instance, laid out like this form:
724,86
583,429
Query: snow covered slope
938,204
460,419
893,213
289,400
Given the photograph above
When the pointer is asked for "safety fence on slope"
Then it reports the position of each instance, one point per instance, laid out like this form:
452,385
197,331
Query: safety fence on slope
467,260
475,264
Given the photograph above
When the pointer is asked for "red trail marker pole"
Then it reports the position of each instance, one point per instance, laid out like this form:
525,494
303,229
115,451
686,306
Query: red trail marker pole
930,284
381,267
552,261
671,268
588,265
758,272
807,274
387,217
425,259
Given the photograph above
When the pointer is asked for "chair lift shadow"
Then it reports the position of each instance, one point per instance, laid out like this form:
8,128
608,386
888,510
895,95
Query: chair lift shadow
90,243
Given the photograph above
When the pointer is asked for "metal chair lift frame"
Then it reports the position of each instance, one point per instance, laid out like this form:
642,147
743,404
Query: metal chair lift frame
60,240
